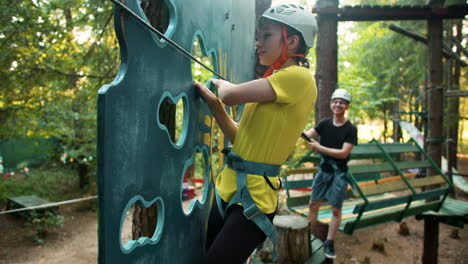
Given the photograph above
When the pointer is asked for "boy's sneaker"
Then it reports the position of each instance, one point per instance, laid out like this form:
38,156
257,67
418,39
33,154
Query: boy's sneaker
329,249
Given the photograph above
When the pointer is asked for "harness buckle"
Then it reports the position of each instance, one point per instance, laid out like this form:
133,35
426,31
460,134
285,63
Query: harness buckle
236,165
239,165
251,211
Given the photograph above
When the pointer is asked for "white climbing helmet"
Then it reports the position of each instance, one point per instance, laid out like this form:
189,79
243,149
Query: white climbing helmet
341,94
296,17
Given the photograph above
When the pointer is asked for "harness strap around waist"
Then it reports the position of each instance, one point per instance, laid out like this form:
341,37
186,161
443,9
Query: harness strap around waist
329,161
238,164
251,210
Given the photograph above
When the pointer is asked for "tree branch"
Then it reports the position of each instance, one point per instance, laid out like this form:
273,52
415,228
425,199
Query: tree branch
72,74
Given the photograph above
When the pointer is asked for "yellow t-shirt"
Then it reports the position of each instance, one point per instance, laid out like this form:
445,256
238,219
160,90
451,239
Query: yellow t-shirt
268,132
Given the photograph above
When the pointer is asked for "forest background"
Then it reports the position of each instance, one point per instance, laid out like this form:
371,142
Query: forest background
56,54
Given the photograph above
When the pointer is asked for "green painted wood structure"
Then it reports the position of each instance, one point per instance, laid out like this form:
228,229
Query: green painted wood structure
453,212
137,160
382,189
24,152
25,201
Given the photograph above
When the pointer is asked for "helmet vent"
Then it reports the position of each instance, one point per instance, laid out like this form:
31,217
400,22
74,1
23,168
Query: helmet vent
285,12
297,17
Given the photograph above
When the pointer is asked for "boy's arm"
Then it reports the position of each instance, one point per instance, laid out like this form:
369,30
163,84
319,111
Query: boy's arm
312,134
342,153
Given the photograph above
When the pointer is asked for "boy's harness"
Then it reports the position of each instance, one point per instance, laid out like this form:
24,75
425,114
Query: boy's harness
332,164
327,161
251,211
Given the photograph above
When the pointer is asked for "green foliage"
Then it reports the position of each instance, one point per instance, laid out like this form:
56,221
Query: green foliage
42,223
53,184
25,152
381,68
199,73
57,53
55,56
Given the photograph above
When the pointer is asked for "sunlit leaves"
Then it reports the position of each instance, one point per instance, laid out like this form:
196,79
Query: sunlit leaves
55,56
382,65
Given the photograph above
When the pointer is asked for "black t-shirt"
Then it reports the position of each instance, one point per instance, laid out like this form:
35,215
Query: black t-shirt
332,136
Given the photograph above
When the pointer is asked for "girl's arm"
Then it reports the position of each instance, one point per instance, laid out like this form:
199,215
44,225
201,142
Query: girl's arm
259,90
227,125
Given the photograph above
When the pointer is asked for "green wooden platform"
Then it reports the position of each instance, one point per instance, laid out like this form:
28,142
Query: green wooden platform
383,190
453,212
18,202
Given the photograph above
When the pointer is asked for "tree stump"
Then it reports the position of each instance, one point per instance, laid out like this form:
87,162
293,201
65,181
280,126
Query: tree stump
293,241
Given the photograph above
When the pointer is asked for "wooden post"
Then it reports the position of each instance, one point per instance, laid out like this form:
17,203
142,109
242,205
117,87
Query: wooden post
434,144
435,92
431,241
326,74
453,104
293,242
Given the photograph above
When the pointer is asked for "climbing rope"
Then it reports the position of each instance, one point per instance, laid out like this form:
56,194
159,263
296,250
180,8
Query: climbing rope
161,35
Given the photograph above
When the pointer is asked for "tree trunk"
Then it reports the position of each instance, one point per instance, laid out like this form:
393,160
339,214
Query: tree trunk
396,119
385,123
145,219
83,171
326,74
81,168
454,104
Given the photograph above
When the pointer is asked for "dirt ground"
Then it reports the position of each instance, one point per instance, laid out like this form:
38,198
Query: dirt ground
76,242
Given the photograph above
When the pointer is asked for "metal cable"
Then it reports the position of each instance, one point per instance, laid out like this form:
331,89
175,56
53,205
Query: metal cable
161,35
48,205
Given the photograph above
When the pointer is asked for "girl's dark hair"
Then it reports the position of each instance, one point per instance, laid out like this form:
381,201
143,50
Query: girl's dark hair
301,49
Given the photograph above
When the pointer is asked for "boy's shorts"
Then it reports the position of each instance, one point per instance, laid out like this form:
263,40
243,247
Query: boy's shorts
330,186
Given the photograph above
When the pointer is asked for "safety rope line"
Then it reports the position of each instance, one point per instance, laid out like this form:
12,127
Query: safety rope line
161,35
49,205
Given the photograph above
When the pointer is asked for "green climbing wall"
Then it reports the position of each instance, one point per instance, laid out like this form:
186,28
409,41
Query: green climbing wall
137,161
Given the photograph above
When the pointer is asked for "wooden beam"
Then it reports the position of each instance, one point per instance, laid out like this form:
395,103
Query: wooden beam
459,93
447,52
379,13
